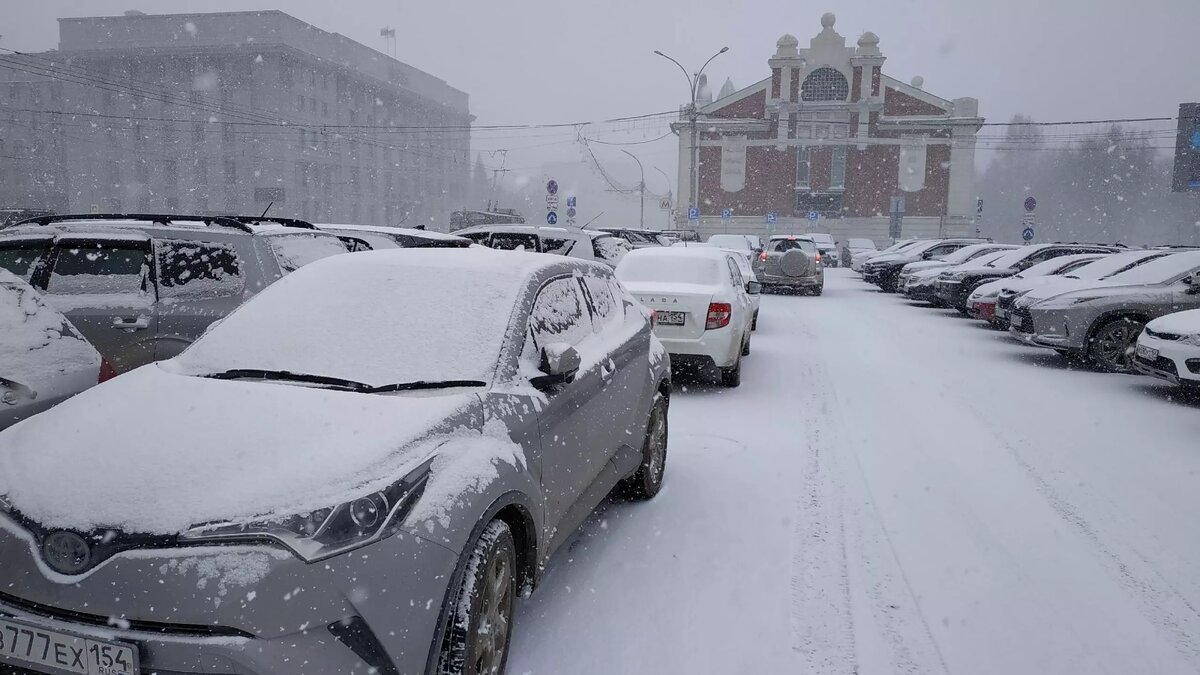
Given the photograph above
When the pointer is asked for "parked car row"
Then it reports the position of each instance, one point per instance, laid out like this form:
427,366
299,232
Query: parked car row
1121,310
432,421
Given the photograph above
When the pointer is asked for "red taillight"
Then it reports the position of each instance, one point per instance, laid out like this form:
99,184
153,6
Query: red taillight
763,256
718,315
818,256
107,372
653,318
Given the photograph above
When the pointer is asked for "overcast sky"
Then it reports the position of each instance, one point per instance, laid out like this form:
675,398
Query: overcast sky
530,61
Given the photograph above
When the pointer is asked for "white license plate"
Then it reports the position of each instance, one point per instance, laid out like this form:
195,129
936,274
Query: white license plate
671,318
1147,353
25,645
1017,321
1001,313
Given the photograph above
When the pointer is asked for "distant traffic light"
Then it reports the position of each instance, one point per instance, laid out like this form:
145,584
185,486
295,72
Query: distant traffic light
1186,177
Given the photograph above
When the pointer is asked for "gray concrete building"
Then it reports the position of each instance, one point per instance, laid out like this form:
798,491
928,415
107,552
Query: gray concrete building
227,113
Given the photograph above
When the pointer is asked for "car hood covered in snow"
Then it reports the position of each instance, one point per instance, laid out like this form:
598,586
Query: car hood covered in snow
156,452
1179,323
37,343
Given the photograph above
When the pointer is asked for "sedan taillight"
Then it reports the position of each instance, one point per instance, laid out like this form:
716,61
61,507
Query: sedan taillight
818,256
718,315
763,256
653,318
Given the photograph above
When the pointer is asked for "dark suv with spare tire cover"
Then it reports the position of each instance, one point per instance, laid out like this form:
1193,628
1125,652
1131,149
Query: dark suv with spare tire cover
791,262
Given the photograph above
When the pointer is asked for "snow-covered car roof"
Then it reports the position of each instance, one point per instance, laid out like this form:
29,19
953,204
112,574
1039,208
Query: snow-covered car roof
412,232
806,237
331,317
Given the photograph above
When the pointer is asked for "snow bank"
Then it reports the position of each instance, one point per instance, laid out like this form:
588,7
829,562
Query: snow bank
165,452
36,342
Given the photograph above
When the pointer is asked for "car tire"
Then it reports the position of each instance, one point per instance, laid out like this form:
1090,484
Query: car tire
818,290
1110,345
646,483
732,376
754,322
480,617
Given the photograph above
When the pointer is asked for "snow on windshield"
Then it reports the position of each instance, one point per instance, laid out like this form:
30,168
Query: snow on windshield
649,265
1161,270
377,317
735,241
1007,259
1113,263
35,340
294,251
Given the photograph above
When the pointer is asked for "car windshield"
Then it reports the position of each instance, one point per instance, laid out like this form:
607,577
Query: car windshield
1160,270
821,239
1115,264
294,251
734,241
645,267
1060,265
966,253
1006,259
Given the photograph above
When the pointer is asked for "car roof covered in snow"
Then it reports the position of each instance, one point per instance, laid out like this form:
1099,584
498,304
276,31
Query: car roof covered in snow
376,229
379,317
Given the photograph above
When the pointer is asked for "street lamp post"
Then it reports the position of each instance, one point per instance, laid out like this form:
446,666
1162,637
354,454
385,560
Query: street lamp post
693,116
670,195
641,189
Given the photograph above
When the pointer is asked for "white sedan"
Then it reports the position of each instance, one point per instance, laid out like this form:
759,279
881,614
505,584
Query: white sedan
1169,348
701,302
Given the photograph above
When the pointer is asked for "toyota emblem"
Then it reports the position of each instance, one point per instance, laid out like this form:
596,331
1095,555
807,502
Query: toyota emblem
66,552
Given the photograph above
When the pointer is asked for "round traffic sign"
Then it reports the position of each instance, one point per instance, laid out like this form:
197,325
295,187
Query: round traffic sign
1027,234
551,218
552,187
1030,203
570,211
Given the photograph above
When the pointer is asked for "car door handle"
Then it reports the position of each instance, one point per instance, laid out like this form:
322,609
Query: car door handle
140,323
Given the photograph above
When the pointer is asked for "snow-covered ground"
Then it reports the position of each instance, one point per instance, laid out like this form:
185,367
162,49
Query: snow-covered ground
893,489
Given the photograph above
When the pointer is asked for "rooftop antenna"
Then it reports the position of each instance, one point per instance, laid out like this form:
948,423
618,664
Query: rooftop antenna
389,40
264,214
591,221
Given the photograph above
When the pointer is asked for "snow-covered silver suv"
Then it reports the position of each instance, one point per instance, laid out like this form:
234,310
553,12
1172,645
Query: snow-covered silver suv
791,262
343,476
141,288
1103,321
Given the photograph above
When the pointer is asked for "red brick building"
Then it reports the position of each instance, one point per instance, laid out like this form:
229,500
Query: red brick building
828,133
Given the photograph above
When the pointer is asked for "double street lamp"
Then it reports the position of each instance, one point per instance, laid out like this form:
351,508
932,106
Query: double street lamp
693,115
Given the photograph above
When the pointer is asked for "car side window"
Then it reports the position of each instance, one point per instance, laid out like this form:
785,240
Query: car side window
558,246
100,268
22,258
195,270
559,314
735,275
477,237
608,312
511,241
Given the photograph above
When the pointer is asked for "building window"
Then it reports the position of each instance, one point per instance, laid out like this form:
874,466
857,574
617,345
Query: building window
197,132
825,84
803,168
837,170
230,172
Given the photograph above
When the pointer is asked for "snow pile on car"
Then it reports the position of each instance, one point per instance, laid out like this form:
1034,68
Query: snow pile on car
35,340
1179,323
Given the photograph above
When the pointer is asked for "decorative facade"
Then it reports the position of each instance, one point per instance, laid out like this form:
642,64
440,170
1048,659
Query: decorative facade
826,143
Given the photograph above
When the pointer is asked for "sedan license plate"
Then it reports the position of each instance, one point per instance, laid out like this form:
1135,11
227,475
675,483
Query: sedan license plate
26,645
1001,313
671,318
1147,353
1017,321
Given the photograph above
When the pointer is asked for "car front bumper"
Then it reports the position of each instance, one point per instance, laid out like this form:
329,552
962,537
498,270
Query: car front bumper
1175,362
245,610
983,309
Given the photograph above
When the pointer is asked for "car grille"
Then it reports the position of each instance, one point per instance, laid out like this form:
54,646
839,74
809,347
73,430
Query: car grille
1026,322
134,624
1170,337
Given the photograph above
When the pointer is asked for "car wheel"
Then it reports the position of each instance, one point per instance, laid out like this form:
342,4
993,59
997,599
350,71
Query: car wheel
754,322
648,480
480,618
819,290
1111,345
732,376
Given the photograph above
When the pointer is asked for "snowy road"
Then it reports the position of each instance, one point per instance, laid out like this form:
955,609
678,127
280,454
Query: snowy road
893,489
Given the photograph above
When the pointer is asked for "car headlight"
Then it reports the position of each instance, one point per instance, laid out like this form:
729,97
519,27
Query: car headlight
952,276
329,531
1064,302
1193,340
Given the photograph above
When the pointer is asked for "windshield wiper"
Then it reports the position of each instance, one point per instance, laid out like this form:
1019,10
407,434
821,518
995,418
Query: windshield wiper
422,384
288,376
1070,276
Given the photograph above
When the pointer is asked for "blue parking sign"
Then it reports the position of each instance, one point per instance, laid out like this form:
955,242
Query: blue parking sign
693,213
813,216
726,214
771,218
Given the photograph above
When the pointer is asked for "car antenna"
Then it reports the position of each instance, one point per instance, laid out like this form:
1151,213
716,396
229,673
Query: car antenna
264,213
591,221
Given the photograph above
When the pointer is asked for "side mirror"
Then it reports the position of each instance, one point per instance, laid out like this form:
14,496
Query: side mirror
560,363
753,288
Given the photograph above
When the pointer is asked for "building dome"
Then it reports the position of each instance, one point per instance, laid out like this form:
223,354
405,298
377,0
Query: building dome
828,19
868,39
787,41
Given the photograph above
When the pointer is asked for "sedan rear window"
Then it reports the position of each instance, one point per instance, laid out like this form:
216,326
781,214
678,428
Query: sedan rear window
675,268
610,249
784,245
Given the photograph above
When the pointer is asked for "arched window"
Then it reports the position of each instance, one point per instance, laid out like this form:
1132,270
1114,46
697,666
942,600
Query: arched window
825,84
